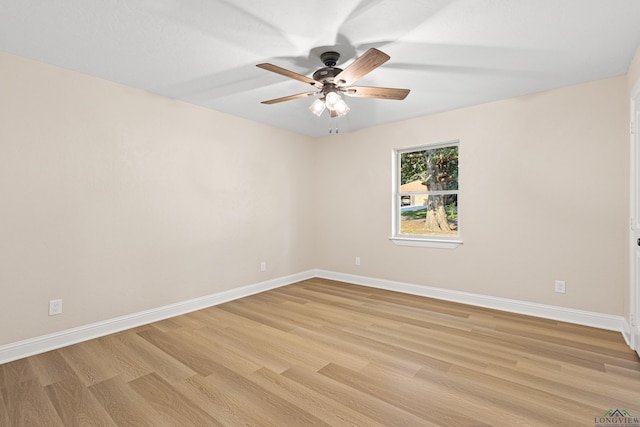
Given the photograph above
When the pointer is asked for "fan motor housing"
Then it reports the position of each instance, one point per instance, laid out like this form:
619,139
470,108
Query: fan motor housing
326,74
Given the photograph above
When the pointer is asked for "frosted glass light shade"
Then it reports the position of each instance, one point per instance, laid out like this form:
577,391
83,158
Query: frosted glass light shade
331,99
317,107
341,108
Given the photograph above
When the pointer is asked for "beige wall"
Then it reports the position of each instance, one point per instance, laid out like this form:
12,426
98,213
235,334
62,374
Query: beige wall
543,196
116,200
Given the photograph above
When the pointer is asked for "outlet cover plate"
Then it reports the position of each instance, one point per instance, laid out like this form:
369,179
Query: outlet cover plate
55,307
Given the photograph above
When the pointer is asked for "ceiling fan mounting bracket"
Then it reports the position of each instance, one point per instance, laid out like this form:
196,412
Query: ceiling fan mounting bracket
330,59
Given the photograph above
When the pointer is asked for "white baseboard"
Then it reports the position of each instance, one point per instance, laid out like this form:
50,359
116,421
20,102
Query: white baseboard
570,315
41,344
626,332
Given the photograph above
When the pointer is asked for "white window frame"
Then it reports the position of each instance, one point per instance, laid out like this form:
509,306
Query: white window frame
443,242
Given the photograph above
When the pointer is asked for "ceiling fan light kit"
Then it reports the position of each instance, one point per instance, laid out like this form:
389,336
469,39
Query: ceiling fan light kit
330,81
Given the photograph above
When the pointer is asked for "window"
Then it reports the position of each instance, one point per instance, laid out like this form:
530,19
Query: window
426,196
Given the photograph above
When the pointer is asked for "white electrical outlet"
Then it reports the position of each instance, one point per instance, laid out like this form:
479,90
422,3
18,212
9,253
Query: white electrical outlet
55,307
357,260
561,286
263,266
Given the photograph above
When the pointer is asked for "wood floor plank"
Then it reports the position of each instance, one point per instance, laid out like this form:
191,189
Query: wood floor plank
223,319
445,393
16,372
626,375
365,404
166,400
121,360
330,411
50,367
312,353
27,404
223,352
322,352
322,294
397,393
436,346
314,315
370,350
88,362
125,406
595,348
4,412
254,354
220,404
587,392
243,309
288,348
179,322
159,361
189,352
386,353
512,397
76,406
287,311
254,398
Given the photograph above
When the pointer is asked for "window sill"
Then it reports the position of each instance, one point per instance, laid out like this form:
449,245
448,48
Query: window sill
425,243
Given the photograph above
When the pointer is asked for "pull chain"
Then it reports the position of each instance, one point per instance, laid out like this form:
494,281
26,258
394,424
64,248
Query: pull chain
331,128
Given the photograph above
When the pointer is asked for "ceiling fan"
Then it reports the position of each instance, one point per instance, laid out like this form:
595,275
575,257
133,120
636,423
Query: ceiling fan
330,81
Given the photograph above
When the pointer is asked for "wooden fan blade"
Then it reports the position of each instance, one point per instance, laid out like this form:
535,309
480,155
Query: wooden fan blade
367,62
377,92
290,74
289,98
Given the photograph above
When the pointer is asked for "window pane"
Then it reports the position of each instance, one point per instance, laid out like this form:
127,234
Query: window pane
413,166
433,169
436,216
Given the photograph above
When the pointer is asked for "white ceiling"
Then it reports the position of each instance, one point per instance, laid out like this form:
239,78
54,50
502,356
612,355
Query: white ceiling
450,53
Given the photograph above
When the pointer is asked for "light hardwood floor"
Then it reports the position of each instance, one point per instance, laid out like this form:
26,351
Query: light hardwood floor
329,353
